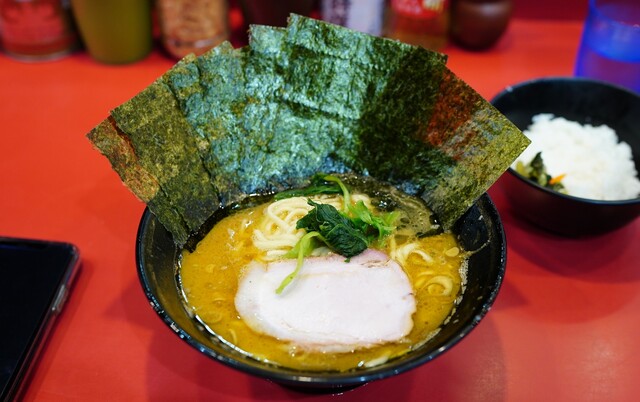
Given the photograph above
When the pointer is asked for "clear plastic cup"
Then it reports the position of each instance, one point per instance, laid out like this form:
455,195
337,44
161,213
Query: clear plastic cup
610,45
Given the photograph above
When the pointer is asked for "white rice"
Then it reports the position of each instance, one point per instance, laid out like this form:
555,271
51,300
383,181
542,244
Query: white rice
595,164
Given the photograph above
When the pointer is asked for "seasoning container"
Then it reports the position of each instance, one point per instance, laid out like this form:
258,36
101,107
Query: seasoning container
115,31
192,26
360,15
418,22
37,30
478,24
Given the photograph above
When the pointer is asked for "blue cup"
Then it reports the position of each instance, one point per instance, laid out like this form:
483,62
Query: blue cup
610,45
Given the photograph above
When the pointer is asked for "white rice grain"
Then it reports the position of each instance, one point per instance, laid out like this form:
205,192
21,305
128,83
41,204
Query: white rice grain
595,164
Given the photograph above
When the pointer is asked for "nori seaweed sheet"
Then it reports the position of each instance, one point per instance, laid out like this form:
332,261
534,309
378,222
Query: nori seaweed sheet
338,42
110,142
184,80
303,138
165,146
298,100
481,141
113,144
416,98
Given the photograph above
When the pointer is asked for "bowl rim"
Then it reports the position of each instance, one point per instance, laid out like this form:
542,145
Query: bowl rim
319,379
566,79
568,197
560,78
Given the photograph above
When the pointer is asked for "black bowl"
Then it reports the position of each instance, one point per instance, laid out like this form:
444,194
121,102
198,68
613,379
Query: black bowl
587,102
479,229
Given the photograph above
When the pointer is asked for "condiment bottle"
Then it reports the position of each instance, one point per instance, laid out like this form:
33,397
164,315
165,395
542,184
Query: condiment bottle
192,26
418,22
478,24
115,31
360,15
35,30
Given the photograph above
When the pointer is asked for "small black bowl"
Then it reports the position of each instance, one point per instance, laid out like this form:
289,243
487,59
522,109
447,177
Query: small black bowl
587,102
480,230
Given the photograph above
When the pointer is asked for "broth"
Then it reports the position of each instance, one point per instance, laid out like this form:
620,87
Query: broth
433,262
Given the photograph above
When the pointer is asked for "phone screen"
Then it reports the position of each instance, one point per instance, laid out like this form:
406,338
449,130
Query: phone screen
35,278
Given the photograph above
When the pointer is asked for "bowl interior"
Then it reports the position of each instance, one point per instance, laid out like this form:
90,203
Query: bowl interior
582,100
478,230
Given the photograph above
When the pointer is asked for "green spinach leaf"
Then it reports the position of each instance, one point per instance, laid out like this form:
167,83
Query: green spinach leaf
319,185
338,231
375,227
347,233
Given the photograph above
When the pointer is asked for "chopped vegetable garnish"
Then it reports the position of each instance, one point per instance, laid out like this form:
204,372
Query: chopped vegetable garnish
302,249
347,233
320,184
557,179
537,172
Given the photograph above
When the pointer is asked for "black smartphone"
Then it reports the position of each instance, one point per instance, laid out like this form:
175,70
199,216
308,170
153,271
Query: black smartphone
35,280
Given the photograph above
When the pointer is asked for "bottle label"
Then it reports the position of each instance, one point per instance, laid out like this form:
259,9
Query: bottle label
419,8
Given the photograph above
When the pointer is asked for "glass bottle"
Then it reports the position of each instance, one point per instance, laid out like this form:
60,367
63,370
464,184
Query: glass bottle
35,30
192,26
418,22
360,15
115,31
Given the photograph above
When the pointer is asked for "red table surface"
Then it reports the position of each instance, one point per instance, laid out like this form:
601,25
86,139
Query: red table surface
564,327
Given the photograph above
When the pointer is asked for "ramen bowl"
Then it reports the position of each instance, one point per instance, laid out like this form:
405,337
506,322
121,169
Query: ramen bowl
586,102
479,230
